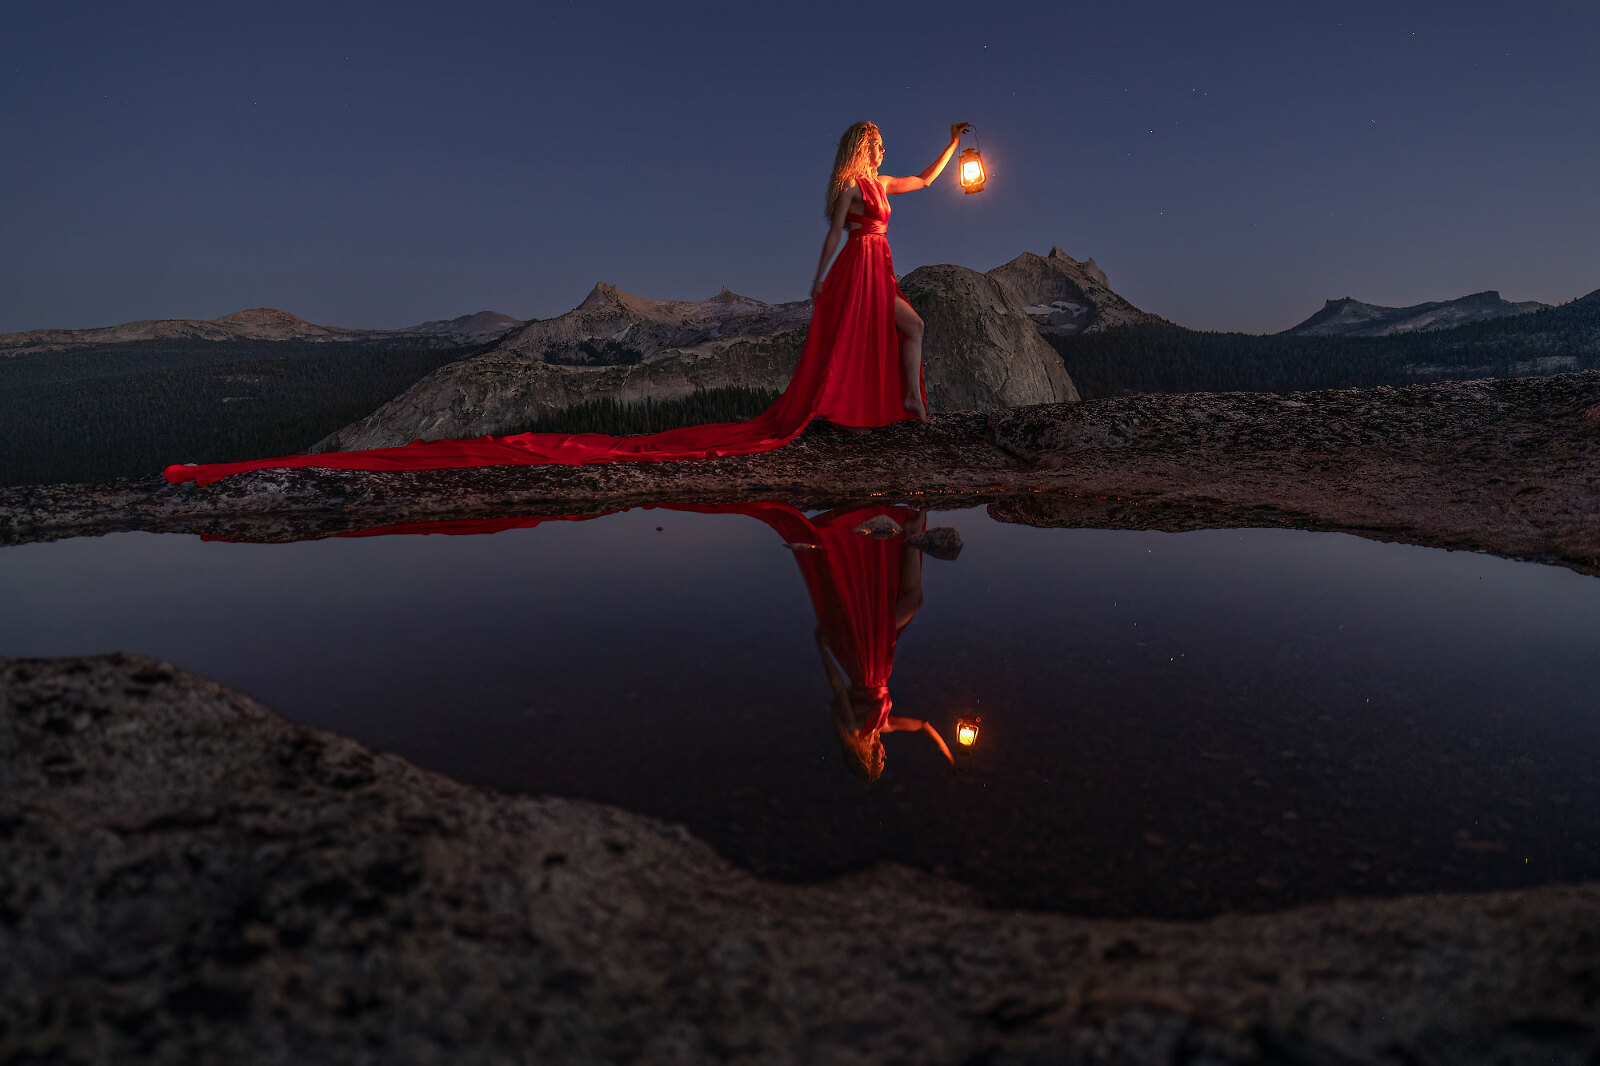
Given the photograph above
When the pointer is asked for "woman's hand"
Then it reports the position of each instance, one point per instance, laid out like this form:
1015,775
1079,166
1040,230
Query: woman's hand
816,288
957,130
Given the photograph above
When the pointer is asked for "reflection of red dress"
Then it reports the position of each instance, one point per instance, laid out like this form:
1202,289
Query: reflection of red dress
854,583
854,580
849,373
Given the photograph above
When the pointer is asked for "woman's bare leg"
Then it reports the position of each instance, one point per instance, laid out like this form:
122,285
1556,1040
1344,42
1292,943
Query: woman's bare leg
909,323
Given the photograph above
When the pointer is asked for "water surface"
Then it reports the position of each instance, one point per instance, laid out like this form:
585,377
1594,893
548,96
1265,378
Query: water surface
1172,724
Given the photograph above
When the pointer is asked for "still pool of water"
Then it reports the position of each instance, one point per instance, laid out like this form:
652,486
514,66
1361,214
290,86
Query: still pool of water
1171,724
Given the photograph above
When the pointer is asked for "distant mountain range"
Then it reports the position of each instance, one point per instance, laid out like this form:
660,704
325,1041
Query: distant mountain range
260,324
1350,317
124,400
1061,295
1549,340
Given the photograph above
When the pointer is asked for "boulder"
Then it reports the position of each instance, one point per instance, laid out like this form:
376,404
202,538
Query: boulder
980,350
941,542
878,527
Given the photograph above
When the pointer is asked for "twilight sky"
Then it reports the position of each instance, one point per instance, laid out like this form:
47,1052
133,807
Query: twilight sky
1229,164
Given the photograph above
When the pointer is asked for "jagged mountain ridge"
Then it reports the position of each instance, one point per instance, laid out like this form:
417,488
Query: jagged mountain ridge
646,327
1064,296
257,324
652,349
1349,317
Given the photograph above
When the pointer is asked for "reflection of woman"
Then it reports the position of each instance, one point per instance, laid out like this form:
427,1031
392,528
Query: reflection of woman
861,367
864,591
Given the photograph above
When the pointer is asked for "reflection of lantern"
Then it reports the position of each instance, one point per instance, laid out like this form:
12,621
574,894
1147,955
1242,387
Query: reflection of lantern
971,171
967,731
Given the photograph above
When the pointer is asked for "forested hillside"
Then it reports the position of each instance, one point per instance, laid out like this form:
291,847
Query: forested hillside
128,410
1166,358
607,415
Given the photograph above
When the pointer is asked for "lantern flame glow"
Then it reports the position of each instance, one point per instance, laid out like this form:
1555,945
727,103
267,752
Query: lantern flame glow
971,171
967,732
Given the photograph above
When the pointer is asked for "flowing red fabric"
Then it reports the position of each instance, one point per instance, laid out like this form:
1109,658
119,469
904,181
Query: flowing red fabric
854,583
849,374
854,580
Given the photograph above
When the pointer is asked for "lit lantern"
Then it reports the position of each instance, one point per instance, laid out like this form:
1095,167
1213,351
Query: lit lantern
967,731
971,171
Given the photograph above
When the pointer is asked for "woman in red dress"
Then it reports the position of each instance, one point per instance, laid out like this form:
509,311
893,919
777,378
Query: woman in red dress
863,388
861,367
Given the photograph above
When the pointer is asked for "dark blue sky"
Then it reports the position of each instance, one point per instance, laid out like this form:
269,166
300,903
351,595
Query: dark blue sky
1230,165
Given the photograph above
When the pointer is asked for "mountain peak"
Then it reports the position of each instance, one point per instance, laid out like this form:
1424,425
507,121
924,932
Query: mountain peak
260,317
1063,295
604,294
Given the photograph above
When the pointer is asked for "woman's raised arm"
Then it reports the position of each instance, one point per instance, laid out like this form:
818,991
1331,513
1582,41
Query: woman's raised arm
891,186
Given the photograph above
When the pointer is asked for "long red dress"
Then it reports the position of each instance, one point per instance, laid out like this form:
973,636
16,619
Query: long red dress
849,374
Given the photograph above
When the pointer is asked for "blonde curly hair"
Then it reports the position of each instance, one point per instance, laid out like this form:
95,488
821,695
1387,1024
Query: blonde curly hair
863,751
853,161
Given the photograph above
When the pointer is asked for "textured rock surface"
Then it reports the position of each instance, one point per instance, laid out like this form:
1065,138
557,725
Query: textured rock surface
502,390
186,877
1062,295
1506,466
980,350
941,542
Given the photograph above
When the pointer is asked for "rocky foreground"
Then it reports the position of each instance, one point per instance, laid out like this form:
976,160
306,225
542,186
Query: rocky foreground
1504,466
186,877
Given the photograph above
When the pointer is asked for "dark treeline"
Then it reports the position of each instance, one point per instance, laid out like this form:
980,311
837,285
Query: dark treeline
732,404
1169,358
128,410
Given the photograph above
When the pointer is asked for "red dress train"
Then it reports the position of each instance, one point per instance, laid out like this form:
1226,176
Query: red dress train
849,374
